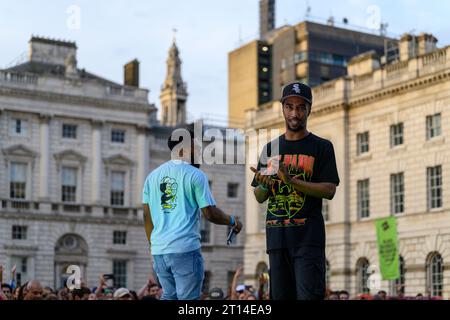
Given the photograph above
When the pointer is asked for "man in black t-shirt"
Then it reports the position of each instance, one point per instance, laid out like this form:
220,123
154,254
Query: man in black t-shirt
295,172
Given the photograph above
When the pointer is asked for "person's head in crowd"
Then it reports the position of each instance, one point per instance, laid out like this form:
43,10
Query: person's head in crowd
16,293
122,294
63,294
46,291
362,296
134,295
244,295
92,296
80,294
382,294
51,296
7,290
343,295
107,294
419,296
242,292
216,294
154,290
334,295
22,291
34,290
378,297
251,296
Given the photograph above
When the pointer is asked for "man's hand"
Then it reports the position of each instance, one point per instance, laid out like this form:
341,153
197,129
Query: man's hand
283,174
237,225
262,179
151,280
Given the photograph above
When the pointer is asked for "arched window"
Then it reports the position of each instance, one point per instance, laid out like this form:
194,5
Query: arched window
400,282
435,274
398,285
362,276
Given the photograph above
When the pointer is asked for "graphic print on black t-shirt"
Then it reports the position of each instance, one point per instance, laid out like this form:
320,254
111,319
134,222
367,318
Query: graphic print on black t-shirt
294,219
286,202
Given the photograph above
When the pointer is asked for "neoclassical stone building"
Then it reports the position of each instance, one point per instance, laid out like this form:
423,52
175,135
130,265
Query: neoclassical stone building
75,149
389,124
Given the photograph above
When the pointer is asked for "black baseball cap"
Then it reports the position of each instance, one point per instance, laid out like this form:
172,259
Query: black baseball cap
297,89
216,294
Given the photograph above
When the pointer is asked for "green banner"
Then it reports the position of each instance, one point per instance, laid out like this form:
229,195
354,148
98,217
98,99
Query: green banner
388,248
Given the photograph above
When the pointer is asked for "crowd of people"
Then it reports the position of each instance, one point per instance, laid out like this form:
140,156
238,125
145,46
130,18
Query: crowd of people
34,290
380,295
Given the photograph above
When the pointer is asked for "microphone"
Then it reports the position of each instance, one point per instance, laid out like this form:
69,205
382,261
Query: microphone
231,236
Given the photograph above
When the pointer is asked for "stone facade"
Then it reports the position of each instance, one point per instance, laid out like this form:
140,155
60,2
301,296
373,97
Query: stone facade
41,101
371,99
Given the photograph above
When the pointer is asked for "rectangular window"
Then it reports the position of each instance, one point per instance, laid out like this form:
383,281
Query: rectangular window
21,264
19,232
69,184
433,126
69,131
120,273
300,56
396,135
232,190
434,187
363,143
119,237
230,276
205,230
118,136
117,188
363,198
18,180
397,193
18,127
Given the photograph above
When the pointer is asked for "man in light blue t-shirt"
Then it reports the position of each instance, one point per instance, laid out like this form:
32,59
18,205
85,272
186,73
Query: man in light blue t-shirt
173,196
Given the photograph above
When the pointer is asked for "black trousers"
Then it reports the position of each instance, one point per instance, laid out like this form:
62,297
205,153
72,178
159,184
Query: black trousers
297,273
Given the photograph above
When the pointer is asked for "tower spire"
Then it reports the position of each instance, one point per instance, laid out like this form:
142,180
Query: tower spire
174,90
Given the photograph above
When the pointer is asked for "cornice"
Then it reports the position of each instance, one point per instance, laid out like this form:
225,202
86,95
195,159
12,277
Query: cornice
76,100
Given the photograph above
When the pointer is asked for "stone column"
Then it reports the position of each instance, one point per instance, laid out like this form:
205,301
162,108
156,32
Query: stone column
44,162
96,162
142,162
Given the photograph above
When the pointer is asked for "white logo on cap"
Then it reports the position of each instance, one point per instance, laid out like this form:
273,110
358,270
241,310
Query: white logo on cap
296,88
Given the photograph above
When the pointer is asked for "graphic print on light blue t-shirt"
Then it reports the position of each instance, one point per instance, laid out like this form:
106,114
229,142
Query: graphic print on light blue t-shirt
168,187
175,192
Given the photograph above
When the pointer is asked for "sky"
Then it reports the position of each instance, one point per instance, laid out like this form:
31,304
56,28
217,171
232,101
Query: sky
111,33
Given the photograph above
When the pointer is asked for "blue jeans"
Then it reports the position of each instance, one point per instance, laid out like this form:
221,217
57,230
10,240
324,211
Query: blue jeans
180,275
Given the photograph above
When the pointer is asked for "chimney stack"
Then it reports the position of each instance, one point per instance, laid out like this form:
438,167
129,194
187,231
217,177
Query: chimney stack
266,17
408,47
427,43
131,73
413,46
